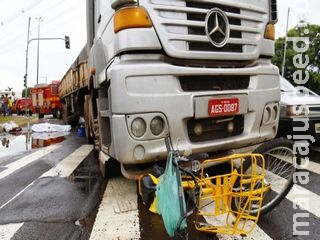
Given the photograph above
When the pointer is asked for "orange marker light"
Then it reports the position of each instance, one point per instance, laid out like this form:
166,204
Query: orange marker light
270,31
92,71
131,17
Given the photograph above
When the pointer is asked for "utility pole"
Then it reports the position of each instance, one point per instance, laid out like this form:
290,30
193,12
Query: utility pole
285,46
26,74
39,20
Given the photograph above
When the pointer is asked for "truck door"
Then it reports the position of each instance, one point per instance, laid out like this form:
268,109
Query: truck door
34,99
40,98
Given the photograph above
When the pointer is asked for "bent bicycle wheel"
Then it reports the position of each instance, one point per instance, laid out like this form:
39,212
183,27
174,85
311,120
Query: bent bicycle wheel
279,170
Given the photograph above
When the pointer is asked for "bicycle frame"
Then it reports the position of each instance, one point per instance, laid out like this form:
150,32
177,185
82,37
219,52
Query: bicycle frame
217,195
215,213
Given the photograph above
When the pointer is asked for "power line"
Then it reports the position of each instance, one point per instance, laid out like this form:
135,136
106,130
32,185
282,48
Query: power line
20,13
11,35
56,18
21,43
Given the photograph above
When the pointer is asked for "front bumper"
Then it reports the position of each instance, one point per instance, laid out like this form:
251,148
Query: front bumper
142,87
287,125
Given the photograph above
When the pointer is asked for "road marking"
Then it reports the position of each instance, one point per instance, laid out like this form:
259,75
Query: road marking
118,216
70,163
220,220
7,231
22,162
294,196
63,169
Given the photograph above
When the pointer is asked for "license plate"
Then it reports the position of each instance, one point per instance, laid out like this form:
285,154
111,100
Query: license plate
317,127
224,106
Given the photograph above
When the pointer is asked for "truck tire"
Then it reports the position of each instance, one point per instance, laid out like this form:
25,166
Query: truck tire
57,113
64,114
87,118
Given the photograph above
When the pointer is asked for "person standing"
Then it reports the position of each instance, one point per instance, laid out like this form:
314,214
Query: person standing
1,104
10,104
5,104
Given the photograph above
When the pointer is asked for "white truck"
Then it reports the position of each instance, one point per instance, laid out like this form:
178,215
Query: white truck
198,71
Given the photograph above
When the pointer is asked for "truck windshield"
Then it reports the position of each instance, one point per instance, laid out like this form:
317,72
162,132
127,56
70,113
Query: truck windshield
286,86
54,89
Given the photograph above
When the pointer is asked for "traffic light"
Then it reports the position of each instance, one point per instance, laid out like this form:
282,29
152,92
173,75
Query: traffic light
25,80
67,42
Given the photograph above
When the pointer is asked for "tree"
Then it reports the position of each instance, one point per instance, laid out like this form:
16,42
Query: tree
28,92
311,32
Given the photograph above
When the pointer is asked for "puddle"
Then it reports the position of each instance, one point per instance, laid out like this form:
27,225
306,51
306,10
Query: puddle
11,144
91,183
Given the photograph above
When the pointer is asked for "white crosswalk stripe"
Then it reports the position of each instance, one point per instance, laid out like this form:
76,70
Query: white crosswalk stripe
22,162
120,205
63,169
294,195
7,231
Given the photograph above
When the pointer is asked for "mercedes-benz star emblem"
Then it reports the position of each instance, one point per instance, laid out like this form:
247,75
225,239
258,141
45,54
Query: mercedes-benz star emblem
217,27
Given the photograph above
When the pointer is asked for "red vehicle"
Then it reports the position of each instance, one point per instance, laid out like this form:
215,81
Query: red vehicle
45,99
22,105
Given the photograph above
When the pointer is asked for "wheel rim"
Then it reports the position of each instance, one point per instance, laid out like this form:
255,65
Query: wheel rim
279,170
279,173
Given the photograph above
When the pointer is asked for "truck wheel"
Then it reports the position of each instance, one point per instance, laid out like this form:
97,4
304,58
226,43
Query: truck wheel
87,102
58,113
64,113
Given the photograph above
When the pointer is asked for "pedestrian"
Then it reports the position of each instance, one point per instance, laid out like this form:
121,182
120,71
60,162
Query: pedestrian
10,104
5,104
1,104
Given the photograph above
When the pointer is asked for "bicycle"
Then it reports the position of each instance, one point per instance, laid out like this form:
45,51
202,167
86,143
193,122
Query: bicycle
231,202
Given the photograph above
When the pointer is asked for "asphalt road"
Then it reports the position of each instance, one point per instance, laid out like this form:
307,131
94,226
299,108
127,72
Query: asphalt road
57,192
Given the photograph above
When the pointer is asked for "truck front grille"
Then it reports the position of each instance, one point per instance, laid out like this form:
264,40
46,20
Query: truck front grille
196,30
215,128
180,25
213,83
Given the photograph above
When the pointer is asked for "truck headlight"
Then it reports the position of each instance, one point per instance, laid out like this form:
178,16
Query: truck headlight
157,126
297,110
138,127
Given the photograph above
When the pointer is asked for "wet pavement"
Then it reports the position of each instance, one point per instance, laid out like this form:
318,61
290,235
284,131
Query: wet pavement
51,207
26,140
65,208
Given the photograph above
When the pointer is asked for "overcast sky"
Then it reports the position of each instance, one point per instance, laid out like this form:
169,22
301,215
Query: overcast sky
67,17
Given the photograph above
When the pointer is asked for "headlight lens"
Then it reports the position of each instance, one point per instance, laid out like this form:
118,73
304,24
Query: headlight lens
157,126
295,110
138,127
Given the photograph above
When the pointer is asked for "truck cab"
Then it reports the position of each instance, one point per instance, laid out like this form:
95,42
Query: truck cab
196,71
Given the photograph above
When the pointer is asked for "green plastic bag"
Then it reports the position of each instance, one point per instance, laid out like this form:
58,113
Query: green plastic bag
171,203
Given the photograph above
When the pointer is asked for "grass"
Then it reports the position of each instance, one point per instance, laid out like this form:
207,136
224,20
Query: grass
19,120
